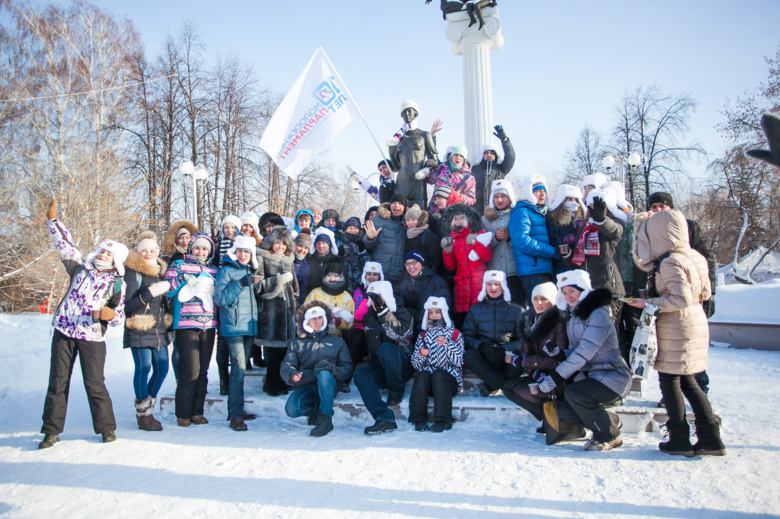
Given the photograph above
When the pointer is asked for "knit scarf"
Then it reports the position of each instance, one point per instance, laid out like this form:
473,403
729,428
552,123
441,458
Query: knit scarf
587,245
414,233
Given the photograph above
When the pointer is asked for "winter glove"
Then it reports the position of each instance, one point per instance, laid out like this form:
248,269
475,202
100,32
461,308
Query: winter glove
550,382
51,213
470,239
284,278
492,353
246,281
446,244
599,209
709,307
107,314
499,132
422,174
552,349
159,288
379,304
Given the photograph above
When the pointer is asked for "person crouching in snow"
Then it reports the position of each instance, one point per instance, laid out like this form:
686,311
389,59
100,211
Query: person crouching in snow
238,320
146,326
316,363
94,301
194,321
438,359
467,251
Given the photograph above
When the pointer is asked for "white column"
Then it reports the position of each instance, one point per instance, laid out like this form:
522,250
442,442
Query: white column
474,45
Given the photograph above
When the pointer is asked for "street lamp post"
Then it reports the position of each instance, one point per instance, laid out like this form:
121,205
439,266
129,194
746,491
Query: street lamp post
634,159
199,172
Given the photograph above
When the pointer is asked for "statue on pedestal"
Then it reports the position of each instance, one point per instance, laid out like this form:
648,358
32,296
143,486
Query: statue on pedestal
409,149
473,8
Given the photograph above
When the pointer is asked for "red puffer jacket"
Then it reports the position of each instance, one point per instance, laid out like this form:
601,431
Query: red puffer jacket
469,274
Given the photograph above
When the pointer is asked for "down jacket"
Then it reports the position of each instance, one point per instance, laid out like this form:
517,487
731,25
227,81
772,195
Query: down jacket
593,345
468,273
495,321
416,291
311,353
682,282
276,302
503,257
528,234
192,313
237,304
486,172
386,248
89,289
147,322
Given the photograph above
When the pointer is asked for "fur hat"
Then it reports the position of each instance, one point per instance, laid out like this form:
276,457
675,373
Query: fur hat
231,218
147,240
501,186
313,313
409,104
300,317
269,218
527,194
576,278
303,239
119,251
438,303
475,221
567,191
620,191
490,147
384,289
325,234
660,197
546,290
247,243
279,234
596,180
608,194
372,266
494,275
250,218
330,213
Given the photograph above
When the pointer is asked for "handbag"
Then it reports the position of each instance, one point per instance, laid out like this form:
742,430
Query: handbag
644,347
557,430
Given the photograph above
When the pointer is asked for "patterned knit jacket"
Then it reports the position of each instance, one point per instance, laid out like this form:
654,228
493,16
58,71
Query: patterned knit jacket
448,357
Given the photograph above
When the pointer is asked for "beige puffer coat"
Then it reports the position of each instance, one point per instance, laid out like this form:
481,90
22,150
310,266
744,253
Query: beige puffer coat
683,283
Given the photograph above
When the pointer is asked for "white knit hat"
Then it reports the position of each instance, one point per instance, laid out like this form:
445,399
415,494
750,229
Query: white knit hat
577,278
495,275
438,303
372,266
546,290
252,219
313,313
147,240
384,289
231,218
247,243
501,186
119,251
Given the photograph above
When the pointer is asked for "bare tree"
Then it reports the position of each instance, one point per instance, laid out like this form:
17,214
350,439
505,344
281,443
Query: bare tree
583,159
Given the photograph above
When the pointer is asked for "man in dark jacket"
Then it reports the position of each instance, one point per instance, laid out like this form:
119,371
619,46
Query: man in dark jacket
385,237
420,283
492,327
316,363
386,182
388,327
489,168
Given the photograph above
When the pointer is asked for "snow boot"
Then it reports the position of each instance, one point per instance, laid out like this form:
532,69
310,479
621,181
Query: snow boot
224,380
237,424
441,427
109,437
679,443
199,419
48,441
709,443
381,426
324,426
312,419
144,416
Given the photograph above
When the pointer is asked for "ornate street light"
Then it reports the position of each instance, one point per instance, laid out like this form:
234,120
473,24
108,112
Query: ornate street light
199,172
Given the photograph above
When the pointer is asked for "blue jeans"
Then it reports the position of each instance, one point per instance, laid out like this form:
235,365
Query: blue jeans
391,369
149,359
239,347
303,400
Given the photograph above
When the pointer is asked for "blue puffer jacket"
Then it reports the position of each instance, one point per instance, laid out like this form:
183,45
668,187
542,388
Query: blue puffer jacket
530,242
237,304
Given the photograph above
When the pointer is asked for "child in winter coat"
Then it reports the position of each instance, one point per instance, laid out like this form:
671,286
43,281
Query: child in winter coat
277,294
455,173
353,253
438,360
496,220
146,327
317,362
194,321
94,301
467,251
238,320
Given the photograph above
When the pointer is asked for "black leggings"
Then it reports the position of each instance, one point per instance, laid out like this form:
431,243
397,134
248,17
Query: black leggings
673,387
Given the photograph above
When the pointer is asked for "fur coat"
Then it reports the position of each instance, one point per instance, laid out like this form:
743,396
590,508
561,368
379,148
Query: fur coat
276,302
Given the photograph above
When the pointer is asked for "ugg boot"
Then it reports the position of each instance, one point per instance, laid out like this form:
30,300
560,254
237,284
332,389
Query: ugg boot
679,439
709,444
144,416
224,380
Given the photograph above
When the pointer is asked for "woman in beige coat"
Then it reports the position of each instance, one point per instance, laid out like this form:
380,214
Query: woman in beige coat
679,282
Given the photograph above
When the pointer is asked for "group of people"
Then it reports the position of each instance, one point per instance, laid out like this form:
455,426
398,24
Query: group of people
525,292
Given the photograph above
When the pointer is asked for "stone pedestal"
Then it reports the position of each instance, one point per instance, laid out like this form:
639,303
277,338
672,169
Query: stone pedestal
474,45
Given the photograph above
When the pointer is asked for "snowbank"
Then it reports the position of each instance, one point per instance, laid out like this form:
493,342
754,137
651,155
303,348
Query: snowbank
749,304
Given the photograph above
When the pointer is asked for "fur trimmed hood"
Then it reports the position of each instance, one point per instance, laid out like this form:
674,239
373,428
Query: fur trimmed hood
537,328
330,326
136,263
475,222
169,242
384,211
594,300
655,234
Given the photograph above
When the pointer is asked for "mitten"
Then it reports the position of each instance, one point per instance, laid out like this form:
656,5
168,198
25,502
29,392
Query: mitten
159,288
246,281
446,244
107,314
51,213
485,238
599,209
284,278
470,239
499,132
552,349
422,174
550,382
345,315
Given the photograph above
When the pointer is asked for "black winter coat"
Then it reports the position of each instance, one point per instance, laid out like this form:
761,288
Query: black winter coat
416,291
429,245
146,325
394,327
318,266
486,172
494,321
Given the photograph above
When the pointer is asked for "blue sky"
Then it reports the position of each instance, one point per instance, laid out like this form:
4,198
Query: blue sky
563,64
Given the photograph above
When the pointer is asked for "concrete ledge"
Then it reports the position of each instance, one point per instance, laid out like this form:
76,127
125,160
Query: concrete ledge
747,336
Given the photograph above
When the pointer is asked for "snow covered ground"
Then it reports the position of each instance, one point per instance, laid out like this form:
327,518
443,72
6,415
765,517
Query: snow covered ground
492,466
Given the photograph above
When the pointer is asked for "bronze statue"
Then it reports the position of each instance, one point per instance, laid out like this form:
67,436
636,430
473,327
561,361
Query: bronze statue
409,149
473,8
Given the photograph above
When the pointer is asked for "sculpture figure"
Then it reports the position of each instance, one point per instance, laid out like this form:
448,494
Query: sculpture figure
473,8
409,155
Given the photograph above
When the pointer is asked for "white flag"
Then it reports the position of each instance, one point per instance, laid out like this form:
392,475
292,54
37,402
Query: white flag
316,109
